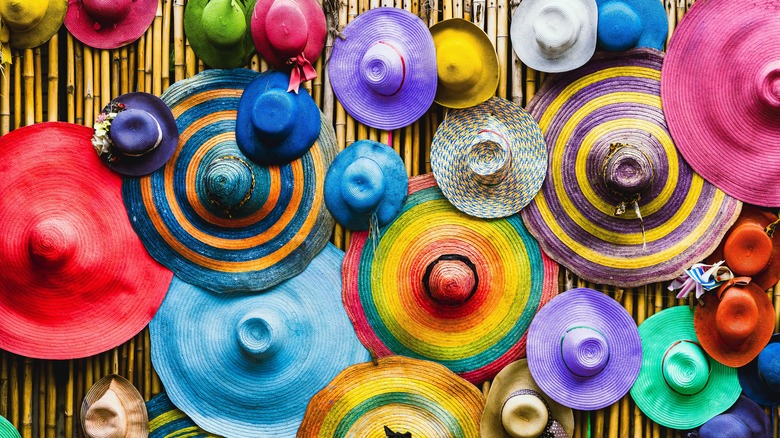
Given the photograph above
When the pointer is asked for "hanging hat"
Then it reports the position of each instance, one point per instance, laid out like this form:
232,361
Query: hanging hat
439,285
383,68
744,419
114,408
246,365
76,280
290,34
760,378
466,62
109,24
135,134
219,31
216,218
167,421
554,35
367,178
584,349
679,385
489,160
619,205
274,127
721,93
32,22
625,24
7,430
395,396
517,407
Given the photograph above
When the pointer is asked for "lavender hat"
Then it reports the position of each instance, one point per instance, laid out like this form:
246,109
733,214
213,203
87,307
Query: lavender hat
584,349
383,69
744,419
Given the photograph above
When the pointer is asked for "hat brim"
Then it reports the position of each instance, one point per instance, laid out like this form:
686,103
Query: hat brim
137,420
121,33
211,55
752,384
316,31
45,29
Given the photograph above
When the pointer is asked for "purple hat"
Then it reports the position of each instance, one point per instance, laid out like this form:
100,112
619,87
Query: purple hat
584,349
744,419
760,378
383,69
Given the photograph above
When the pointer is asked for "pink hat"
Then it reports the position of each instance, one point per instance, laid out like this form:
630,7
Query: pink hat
109,24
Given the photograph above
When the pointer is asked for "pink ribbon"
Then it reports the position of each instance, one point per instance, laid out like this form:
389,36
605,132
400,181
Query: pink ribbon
302,71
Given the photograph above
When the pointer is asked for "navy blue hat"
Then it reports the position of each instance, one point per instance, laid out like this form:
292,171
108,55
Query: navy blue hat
745,419
625,24
760,379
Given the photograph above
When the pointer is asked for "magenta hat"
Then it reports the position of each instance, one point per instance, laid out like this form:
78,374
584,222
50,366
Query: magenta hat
109,24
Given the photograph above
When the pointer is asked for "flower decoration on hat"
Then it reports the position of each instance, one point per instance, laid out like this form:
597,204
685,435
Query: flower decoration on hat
109,24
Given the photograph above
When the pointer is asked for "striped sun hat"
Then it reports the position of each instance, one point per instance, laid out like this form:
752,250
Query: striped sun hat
167,421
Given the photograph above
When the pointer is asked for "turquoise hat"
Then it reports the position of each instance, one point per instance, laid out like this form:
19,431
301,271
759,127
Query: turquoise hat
7,430
625,24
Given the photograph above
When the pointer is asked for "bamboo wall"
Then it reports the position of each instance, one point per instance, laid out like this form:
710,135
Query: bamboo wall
65,80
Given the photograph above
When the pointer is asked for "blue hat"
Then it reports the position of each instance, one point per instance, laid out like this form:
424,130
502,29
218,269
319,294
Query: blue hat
166,420
625,24
745,419
366,178
760,379
274,127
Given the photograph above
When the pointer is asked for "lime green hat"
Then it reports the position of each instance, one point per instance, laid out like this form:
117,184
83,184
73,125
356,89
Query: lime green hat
219,31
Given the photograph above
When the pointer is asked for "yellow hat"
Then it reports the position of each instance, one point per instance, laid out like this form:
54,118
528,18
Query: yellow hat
32,23
466,62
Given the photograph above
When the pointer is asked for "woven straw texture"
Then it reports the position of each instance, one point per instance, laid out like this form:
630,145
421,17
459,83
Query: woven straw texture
109,35
167,421
125,398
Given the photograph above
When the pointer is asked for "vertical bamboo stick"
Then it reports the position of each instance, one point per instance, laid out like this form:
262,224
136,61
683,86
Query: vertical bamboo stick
88,87
39,376
446,9
179,48
776,301
681,5
625,409
5,111
124,71
51,401
105,79
491,18
141,64
132,60
457,8
79,80
157,50
641,313
149,58
432,8
52,110
316,84
116,73
38,82
27,398
502,46
96,88
165,65
29,88
4,361
530,84
671,18
147,366
18,117
14,388
190,60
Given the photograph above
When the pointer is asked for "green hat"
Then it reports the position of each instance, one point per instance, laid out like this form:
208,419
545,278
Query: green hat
219,31
7,430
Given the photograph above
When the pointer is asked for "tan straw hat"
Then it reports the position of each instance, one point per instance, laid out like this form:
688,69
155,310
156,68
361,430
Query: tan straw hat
113,408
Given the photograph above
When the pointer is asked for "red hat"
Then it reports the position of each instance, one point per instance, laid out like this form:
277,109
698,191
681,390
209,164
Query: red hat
109,24
75,280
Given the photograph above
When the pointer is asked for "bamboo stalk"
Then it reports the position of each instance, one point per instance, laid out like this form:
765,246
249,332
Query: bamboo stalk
96,88
681,4
14,387
132,60
5,112
530,83
147,365
4,360
27,397
51,401
316,84
149,59
29,88
141,64
417,167
69,387
625,410
124,71
491,17
179,47
18,116
446,9
157,50
671,18
166,45
105,80
502,45
52,110
38,72
88,87
40,378
116,73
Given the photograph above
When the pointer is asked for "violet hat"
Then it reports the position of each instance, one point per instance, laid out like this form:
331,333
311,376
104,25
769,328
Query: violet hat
745,419
760,378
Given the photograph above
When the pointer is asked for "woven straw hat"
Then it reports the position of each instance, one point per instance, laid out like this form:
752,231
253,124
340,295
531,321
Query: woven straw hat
439,285
32,23
745,419
7,430
397,394
679,385
619,205
489,160
216,218
219,31
167,421
625,24
760,378
109,24
114,408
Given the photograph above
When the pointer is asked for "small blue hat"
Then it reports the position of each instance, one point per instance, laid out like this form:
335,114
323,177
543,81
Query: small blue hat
365,178
625,24
760,379
274,127
744,419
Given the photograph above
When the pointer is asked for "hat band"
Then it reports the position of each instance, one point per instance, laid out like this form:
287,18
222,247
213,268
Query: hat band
552,424
663,364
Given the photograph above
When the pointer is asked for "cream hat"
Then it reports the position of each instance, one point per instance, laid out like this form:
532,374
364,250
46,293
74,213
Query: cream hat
113,408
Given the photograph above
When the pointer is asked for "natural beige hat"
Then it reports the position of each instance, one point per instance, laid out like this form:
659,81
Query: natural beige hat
113,408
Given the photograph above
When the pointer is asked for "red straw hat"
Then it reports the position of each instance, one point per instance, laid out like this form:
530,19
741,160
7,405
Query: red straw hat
75,279
109,24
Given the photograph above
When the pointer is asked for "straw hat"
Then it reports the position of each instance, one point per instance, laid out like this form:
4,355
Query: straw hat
619,205
489,160
625,24
584,349
679,385
109,24
383,68
290,34
7,430
367,179
114,408
760,378
517,407
398,394
439,285
167,421
246,365
721,93
75,279
32,23
554,35
219,31
466,63
216,218
745,419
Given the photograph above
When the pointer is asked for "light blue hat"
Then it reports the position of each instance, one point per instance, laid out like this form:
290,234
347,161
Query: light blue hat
625,24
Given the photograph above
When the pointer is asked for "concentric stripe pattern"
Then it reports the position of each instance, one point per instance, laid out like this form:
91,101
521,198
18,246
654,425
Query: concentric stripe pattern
166,421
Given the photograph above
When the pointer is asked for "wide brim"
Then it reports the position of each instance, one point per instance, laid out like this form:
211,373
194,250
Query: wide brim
404,394
209,377
45,29
109,288
137,421
279,229
514,377
449,160
752,384
121,33
476,43
655,27
166,420
586,308
393,313
317,32
7,430
655,397
717,122
211,55
404,30
616,99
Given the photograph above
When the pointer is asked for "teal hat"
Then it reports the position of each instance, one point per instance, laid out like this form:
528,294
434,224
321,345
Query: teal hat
219,31
7,430
626,24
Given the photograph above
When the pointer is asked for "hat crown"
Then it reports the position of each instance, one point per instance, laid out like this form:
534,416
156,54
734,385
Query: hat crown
458,65
52,242
489,156
23,15
106,418
524,415
107,12
627,170
725,426
383,68
135,132
274,115
224,23
286,28
585,351
685,368
260,334
451,279
737,316
363,185
748,249
619,26
556,28
769,365
229,183
768,85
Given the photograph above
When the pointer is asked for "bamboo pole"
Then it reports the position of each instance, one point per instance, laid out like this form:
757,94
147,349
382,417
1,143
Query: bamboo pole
18,116
491,18
27,398
179,48
116,73
149,59
671,18
157,51
39,368
165,66
141,64
124,71
105,80
53,80
51,402
88,90
5,113
29,88
502,46
4,360
96,88
38,82
14,388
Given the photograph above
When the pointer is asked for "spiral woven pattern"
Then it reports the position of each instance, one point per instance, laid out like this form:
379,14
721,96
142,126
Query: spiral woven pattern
393,313
616,99
130,403
167,421
7,430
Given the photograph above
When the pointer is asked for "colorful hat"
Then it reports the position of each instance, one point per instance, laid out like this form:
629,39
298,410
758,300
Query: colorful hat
439,285
290,34
725,119
760,378
76,280
517,407
216,218
109,24
489,160
246,365
619,205
274,127
135,134
466,62
7,430
744,419
114,408
167,421
219,31
383,68
32,23
394,397
625,24
554,35
366,179
584,349
679,385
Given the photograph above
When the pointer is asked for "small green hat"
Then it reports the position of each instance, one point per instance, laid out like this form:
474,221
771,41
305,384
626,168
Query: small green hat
219,31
